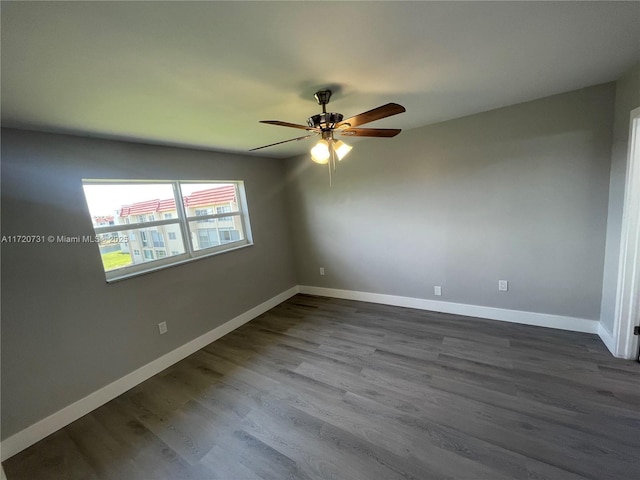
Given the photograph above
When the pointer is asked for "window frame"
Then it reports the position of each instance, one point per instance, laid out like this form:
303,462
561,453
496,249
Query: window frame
182,220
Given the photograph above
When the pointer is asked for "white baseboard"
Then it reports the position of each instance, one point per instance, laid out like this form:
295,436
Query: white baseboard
515,316
607,338
36,432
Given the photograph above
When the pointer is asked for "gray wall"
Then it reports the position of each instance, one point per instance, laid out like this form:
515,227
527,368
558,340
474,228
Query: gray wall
627,98
65,332
519,193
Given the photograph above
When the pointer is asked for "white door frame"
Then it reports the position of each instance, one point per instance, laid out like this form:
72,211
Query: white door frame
627,313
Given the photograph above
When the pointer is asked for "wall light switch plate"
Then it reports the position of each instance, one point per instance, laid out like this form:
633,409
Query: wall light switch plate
321,270
437,290
162,328
503,285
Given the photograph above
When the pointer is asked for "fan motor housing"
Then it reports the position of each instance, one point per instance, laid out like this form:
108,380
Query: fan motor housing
324,120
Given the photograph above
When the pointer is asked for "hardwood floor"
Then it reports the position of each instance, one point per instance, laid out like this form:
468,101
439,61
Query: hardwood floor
322,388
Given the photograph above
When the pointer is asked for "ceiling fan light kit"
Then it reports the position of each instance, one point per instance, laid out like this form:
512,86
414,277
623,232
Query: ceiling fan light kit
327,150
341,148
320,152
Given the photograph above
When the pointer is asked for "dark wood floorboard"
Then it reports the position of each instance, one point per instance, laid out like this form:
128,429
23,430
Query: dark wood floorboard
321,388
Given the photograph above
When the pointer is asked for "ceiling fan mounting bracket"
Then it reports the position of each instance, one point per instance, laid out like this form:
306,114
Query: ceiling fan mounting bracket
323,97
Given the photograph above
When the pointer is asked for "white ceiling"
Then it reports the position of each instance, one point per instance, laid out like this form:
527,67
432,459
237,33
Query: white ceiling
203,73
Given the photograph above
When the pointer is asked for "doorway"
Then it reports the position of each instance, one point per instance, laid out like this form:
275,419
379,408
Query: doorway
627,313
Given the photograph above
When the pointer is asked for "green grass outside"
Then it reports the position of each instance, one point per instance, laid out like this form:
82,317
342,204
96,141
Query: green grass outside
113,260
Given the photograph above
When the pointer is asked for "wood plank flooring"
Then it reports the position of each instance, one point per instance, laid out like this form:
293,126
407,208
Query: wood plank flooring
321,388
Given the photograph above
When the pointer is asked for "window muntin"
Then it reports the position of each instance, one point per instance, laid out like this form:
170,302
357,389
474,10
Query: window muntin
150,225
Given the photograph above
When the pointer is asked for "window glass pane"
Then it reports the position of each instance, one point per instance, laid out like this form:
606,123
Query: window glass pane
205,198
114,252
223,209
130,202
132,247
216,231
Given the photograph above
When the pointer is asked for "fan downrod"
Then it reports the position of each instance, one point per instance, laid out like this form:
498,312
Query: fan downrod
325,120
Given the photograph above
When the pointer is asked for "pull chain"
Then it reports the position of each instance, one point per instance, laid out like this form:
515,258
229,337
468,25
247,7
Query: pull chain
332,160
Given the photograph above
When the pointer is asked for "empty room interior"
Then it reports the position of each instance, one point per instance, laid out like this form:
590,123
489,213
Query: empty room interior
320,240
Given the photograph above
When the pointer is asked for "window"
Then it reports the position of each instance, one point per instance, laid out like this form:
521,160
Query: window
228,235
203,212
224,209
157,239
196,218
207,237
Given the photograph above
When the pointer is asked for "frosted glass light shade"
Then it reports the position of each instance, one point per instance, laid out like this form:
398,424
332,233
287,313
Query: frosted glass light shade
341,149
320,152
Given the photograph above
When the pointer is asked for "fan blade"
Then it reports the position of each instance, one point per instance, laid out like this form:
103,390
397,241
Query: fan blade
284,141
292,125
376,114
371,132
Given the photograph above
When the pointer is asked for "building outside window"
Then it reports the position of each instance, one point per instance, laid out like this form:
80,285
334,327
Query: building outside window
187,219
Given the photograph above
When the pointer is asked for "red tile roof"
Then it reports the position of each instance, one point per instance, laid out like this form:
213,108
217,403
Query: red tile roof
210,196
102,219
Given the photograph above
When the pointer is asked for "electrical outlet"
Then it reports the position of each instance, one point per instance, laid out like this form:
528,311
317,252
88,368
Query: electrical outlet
503,285
162,328
321,270
437,290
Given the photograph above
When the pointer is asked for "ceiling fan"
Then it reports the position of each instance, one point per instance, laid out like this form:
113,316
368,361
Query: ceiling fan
328,124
